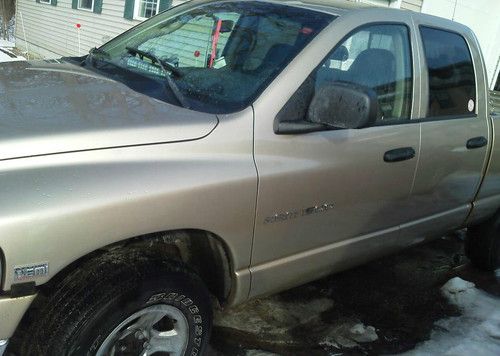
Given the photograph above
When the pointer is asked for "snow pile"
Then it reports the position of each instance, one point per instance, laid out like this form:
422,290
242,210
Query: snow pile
348,335
362,333
475,332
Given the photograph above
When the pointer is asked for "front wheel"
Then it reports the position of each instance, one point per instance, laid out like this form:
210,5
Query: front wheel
121,306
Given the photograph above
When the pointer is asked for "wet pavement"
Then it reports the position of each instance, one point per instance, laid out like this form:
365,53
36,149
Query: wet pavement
385,307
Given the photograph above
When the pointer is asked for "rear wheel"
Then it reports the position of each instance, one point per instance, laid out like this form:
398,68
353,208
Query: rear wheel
120,305
482,245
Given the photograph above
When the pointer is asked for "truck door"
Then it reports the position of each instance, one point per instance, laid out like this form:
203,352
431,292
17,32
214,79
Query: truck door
324,196
454,129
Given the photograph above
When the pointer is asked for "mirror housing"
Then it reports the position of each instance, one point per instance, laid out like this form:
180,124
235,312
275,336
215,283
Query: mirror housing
344,105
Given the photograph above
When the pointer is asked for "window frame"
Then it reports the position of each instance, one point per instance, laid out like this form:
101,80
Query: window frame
496,86
137,9
47,2
84,8
425,66
339,43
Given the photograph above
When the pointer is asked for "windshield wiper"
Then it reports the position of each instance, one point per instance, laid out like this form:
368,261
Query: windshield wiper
167,69
171,68
97,52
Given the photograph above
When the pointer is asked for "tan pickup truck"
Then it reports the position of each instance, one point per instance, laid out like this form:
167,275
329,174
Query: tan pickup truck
225,150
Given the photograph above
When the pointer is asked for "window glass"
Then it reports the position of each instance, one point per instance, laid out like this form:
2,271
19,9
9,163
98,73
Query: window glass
377,57
85,4
497,85
147,8
218,56
452,82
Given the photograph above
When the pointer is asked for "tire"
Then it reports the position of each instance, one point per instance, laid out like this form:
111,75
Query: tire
482,244
145,300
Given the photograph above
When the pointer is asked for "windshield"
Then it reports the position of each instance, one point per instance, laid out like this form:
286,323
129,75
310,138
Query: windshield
213,57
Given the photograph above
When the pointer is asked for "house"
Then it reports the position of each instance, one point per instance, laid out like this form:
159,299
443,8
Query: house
482,16
55,28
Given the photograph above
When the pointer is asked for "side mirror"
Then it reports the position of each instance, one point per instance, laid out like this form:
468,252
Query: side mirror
344,105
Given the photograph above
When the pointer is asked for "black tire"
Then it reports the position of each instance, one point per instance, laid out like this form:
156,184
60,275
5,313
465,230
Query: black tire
482,244
90,302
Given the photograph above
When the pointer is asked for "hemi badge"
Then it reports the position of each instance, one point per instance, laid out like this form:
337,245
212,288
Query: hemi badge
31,271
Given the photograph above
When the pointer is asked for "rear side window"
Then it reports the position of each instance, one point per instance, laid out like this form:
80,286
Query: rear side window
452,82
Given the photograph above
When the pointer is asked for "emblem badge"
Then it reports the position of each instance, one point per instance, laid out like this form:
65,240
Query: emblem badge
32,271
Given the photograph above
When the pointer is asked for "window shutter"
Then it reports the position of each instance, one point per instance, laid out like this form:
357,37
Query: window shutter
129,9
74,4
165,4
97,6
53,3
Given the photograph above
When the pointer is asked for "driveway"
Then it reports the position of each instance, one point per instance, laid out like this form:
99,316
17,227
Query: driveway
389,306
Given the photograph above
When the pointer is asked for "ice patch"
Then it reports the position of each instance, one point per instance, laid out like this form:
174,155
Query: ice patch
273,316
362,333
475,332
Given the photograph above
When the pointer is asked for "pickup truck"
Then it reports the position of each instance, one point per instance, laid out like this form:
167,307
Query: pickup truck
224,150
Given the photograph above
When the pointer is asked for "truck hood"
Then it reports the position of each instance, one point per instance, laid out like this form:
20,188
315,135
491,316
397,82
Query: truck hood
50,107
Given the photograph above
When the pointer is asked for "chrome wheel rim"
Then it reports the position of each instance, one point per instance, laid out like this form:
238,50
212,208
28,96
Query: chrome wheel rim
159,329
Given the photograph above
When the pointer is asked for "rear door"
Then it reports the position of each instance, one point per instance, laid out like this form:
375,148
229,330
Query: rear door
454,131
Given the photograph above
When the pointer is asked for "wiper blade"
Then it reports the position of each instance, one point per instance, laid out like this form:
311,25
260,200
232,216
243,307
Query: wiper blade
172,69
97,52
167,69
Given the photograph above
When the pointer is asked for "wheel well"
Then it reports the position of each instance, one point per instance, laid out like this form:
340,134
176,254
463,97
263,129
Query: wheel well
202,251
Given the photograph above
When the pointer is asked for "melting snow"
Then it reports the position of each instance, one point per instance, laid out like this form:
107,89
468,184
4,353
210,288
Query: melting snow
475,332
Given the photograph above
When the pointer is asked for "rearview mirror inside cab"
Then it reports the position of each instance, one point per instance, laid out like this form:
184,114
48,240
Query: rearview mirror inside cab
343,105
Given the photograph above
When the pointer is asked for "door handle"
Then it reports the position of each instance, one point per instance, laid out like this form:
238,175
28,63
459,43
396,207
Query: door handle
476,142
399,154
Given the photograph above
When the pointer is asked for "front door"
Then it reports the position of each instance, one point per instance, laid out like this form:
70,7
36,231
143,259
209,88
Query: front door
324,196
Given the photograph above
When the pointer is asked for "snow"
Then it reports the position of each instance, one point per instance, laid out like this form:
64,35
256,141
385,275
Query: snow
362,333
6,46
475,332
6,54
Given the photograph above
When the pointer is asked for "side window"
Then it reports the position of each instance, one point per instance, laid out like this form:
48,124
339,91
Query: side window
497,85
375,56
452,82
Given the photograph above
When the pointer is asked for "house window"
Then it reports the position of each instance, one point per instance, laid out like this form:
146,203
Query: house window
86,5
45,1
145,9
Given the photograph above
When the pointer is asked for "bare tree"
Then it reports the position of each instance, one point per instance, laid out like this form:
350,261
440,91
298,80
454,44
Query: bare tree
7,11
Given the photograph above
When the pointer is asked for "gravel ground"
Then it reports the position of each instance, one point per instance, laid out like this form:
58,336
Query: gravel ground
386,307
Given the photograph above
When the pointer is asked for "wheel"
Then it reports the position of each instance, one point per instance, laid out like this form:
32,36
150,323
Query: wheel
119,305
482,244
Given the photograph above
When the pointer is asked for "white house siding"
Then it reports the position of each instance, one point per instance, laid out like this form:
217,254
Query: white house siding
414,5
482,16
53,28
192,37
